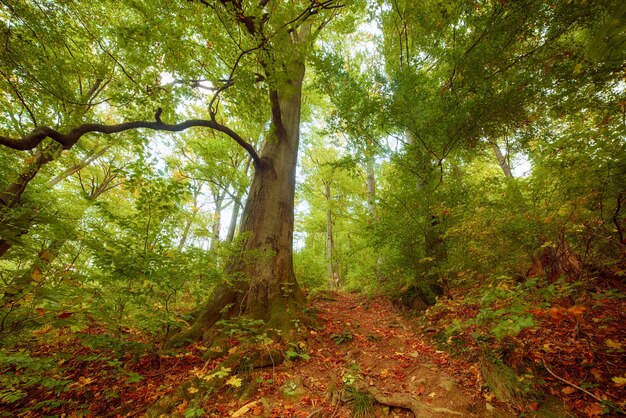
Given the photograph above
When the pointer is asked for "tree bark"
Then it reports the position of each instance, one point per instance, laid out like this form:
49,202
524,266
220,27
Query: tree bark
371,185
503,160
190,220
263,283
331,264
49,253
217,220
12,194
232,226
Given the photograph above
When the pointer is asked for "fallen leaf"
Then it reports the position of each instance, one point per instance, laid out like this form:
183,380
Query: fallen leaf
577,310
619,381
244,409
596,373
82,382
568,390
613,344
192,390
594,410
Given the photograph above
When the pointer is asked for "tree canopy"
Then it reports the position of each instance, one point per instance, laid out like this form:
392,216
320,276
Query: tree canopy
196,174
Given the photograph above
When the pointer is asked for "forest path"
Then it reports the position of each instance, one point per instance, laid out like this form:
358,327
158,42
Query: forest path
365,343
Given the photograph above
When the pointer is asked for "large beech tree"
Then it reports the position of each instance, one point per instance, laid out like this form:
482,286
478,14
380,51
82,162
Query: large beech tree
251,57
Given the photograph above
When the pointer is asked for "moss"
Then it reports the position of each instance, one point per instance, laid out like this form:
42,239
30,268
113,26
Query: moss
421,294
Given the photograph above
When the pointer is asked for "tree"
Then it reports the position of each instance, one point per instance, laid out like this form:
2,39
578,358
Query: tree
266,44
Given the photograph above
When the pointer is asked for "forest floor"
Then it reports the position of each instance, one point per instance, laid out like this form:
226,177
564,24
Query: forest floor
368,344
363,349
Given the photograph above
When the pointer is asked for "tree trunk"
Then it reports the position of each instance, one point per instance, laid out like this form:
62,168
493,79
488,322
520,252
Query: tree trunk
263,284
502,160
48,254
232,226
12,194
217,221
187,228
371,186
331,264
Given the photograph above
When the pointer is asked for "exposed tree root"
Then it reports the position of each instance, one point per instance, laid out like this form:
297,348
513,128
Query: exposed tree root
398,400
406,401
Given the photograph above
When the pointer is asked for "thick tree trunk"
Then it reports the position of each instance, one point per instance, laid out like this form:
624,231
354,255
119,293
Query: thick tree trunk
263,282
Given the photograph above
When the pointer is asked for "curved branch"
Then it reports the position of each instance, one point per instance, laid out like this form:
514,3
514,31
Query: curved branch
70,139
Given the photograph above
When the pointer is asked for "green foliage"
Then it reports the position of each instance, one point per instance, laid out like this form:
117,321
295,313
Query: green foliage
362,403
297,351
505,384
241,327
23,372
344,337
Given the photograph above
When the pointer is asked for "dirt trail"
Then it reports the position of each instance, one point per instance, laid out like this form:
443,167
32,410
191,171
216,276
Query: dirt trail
366,344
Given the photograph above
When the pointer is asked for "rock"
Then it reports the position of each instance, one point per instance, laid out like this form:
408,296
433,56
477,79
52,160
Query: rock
264,358
294,388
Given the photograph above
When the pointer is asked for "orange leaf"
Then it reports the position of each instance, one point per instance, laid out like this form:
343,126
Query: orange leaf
577,310
568,390
594,410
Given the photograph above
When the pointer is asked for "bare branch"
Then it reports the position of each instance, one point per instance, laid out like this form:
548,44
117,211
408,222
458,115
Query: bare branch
70,139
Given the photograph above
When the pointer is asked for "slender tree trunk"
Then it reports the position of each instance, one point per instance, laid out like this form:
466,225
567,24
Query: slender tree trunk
79,166
232,226
49,253
12,194
502,160
331,264
187,228
434,248
371,186
217,221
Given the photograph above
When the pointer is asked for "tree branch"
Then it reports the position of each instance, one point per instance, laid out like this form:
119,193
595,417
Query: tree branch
70,139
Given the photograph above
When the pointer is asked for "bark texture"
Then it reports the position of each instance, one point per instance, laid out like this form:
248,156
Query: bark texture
264,285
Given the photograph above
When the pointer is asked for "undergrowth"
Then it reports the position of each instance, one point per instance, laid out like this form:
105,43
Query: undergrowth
511,330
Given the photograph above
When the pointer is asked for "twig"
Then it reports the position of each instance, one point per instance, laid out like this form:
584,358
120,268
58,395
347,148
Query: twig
314,413
570,383
336,406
